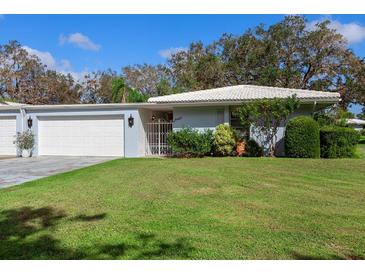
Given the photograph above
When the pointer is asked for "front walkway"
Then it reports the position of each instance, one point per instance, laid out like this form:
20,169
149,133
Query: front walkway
14,171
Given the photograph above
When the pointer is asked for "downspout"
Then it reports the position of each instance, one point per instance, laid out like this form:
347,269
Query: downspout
314,107
22,115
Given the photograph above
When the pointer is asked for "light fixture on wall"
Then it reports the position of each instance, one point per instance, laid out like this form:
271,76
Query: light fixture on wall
153,117
30,122
131,121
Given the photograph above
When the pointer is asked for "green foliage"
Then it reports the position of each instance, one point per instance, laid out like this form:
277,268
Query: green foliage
338,142
265,116
334,116
24,140
302,138
119,90
122,93
165,87
189,142
324,118
344,114
134,96
362,132
224,140
253,149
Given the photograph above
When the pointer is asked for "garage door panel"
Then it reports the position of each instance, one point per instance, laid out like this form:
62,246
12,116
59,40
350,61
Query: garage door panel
7,135
82,136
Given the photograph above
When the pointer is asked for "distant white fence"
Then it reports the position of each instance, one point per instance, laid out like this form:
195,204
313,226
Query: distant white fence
156,138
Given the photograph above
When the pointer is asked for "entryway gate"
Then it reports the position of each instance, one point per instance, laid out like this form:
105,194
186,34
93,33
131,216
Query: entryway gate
156,138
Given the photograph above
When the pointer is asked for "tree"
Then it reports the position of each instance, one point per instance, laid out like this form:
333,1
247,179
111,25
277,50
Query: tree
120,90
198,68
264,117
19,73
97,87
58,88
24,79
146,78
122,93
288,54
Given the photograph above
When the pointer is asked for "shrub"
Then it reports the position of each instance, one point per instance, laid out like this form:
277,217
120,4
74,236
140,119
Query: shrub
362,132
189,142
338,142
224,140
24,140
253,149
302,138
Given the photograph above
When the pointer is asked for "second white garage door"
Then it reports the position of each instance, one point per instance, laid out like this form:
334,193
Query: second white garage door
81,135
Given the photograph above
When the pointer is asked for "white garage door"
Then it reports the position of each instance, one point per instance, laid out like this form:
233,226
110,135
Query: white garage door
81,135
7,135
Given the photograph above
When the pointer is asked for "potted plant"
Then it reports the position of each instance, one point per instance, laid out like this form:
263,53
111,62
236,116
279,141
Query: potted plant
25,143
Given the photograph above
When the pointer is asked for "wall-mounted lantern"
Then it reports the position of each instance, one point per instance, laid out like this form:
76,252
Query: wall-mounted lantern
30,122
131,121
153,117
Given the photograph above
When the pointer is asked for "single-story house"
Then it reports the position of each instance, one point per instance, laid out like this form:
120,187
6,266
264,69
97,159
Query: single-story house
137,129
357,124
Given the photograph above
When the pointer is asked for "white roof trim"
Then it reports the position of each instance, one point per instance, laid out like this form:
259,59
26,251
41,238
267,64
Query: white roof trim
244,93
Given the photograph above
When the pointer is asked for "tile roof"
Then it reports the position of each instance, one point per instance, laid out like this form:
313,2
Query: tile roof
243,93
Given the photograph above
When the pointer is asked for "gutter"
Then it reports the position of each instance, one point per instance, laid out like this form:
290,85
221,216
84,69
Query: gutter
238,102
314,107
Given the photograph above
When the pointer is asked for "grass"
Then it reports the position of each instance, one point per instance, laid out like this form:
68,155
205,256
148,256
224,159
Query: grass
361,148
210,208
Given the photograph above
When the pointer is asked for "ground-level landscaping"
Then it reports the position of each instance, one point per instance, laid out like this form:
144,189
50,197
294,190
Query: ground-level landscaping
209,208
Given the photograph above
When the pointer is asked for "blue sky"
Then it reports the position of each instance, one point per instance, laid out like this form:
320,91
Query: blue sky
80,43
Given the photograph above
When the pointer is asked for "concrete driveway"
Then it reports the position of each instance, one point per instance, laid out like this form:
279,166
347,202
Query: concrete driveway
14,171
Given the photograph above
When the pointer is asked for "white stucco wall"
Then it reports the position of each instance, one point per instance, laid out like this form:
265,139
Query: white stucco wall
200,118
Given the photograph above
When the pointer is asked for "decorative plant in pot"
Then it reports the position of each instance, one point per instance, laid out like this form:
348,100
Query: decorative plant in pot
25,143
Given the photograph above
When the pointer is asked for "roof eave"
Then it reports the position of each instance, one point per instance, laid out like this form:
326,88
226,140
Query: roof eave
238,102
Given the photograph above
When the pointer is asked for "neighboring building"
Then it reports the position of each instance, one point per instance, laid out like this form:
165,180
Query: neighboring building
137,130
356,124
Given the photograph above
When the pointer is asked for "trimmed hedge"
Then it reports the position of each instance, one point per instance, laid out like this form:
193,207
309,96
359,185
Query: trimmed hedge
302,138
224,140
338,142
189,142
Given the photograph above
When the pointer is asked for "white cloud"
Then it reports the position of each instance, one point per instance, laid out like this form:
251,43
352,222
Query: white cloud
79,40
63,66
353,32
167,53
45,57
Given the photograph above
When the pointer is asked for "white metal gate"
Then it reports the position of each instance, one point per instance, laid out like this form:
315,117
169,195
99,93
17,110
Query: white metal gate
156,138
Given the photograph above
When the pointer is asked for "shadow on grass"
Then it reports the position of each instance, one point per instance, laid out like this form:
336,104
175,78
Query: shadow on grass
90,218
299,256
26,233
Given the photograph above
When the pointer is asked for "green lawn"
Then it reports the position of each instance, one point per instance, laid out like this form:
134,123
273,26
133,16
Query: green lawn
361,148
210,208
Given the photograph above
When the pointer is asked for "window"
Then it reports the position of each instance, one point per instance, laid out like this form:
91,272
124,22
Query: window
220,117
